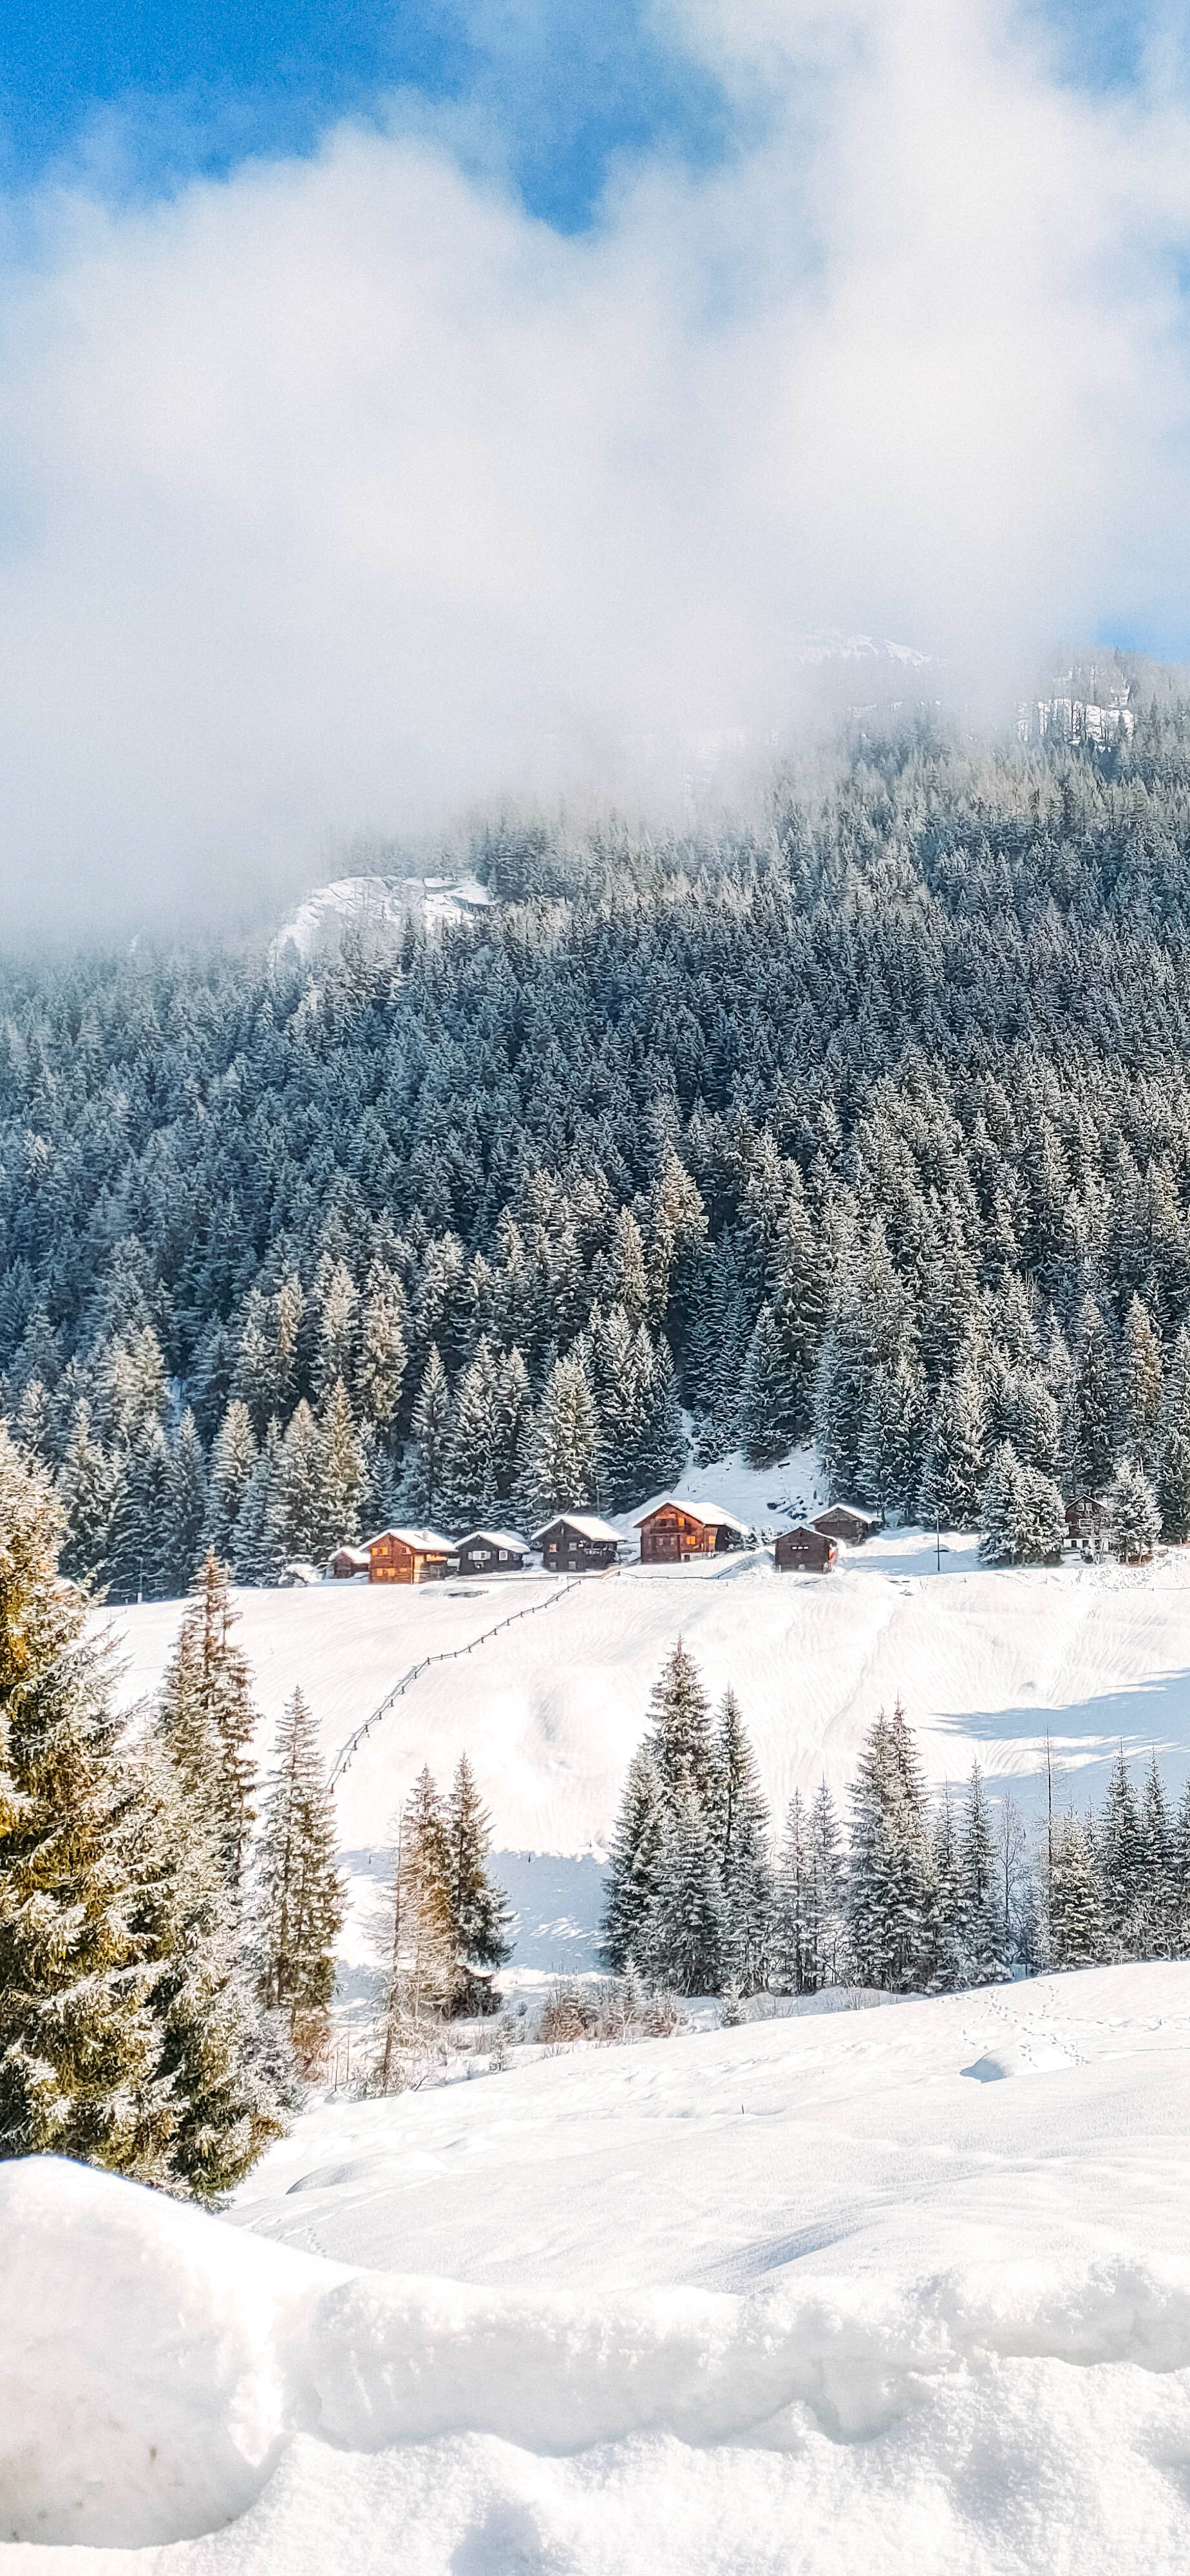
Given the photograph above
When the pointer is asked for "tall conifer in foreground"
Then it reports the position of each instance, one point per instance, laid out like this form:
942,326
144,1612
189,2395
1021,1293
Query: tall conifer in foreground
79,2052
478,1908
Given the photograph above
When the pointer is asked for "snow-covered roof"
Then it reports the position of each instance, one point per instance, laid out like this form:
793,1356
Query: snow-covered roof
506,1539
427,1542
584,1522
857,1510
357,1555
708,1515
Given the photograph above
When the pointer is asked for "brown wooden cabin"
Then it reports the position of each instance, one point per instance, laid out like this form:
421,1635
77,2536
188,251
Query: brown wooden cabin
676,1531
347,1561
1086,1526
408,1556
577,1543
846,1521
490,1552
805,1550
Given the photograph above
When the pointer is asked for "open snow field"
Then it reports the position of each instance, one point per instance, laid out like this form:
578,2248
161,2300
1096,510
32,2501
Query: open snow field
887,2293
550,1710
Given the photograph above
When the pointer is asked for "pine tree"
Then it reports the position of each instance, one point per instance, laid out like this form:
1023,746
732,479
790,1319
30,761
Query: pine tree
1141,1388
738,1817
564,1443
956,1456
479,1912
299,1904
430,1428
1094,1405
233,1457
790,1943
225,2103
687,1938
1122,1866
1173,1474
1074,1904
185,1509
889,1890
471,1478
258,1545
207,1721
1022,1520
343,1473
383,1354
633,1867
764,1411
948,1948
79,2047
679,1737
86,1494
1133,1514
424,1971
824,1932
1157,1846
300,1532
983,1924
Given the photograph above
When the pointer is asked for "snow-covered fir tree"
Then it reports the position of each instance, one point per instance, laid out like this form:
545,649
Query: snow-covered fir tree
298,1895
1133,1514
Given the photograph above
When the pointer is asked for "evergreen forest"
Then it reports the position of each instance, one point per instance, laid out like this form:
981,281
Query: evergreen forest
871,1126
898,1894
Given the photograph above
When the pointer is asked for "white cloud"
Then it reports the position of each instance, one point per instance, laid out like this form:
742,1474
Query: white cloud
340,492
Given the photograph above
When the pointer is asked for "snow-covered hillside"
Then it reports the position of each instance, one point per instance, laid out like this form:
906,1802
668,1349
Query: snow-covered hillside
551,1707
372,904
897,2292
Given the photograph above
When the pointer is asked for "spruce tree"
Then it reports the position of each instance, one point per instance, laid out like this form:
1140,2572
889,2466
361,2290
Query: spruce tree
889,1871
299,1905
983,1922
1094,1405
633,1865
1173,1472
79,2046
227,2097
687,1938
1122,1866
430,1427
185,1509
1141,1388
790,1934
562,1473
424,1973
956,1456
764,1410
739,1820
1133,1514
679,1737
1074,1904
207,1720
479,1911
233,1457
86,1492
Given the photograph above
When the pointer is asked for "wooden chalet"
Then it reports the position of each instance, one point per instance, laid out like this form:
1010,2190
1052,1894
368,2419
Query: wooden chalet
577,1543
677,1530
846,1521
805,1550
348,1561
489,1552
408,1556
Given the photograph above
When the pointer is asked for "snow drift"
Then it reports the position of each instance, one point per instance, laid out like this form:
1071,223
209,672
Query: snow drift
173,2385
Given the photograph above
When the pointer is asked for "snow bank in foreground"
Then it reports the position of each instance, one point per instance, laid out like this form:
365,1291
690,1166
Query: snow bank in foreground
164,2375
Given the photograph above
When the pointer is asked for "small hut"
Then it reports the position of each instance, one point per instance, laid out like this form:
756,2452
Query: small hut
677,1530
846,1521
490,1552
348,1561
805,1550
577,1543
408,1556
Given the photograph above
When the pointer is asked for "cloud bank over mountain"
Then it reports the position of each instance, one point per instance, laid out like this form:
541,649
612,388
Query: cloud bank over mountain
341,492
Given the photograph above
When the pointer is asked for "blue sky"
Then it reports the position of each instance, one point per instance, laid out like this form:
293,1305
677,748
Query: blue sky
366,457
555,90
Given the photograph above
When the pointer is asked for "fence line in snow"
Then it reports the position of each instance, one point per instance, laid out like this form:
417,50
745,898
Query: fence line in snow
449,1655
